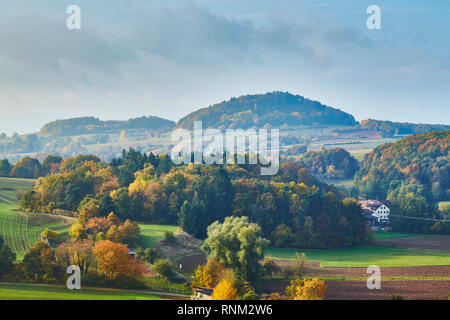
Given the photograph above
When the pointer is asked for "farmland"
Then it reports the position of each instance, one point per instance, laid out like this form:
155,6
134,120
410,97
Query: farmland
21,230
152,233
365,256
19,291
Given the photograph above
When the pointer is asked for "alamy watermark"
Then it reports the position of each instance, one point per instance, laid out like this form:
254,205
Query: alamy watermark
73,22
74,280
239,146
374,20
374,280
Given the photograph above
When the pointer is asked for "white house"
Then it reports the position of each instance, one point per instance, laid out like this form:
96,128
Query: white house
376,211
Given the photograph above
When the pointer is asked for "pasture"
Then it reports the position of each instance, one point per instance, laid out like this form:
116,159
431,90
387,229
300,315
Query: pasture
389,235
22,291
151,234
365,256
22,230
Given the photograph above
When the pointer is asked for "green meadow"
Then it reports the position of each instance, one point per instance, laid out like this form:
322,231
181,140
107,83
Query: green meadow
365,256
22,230
21,291
151,234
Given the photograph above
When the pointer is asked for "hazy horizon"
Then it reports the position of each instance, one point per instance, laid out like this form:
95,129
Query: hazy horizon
169,58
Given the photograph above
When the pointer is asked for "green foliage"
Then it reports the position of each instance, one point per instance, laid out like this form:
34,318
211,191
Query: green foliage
335,163
414,175
5,168
274,108
27,168
148,255
169,235
7,258
389,128
89,125
164,269
236,244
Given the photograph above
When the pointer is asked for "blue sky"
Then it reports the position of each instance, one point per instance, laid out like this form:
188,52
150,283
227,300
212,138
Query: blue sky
171,57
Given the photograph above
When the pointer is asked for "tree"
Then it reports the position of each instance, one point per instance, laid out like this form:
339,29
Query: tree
313,289
50,234
299,264
164,269
113,259
212,273
76,231
236,244
7,258
79,253
269,268
27,168
224,291
191,217
5,168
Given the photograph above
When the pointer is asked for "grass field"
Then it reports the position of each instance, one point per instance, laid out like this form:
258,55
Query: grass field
364,257
21,291
152,233
21,230
388,235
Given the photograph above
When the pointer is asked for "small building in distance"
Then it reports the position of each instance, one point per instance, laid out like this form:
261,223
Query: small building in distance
376,212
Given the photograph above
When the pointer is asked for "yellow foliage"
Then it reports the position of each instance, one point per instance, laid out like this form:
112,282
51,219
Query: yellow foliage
224,291
76,230
313,289
212,273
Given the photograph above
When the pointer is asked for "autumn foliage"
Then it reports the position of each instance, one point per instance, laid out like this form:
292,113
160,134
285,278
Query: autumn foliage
113,260
224,291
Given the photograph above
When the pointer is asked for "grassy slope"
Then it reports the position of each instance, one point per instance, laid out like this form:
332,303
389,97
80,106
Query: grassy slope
364,257
389,235
20,291
20,230
152,233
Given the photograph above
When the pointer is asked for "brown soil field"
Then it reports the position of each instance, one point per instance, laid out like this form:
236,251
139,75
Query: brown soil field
408,289
429,242
357,289
190,263
314,269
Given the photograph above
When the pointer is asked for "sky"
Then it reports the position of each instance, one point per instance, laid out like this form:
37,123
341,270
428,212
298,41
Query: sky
170,57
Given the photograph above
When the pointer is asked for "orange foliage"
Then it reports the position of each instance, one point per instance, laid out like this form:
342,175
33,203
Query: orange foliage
113,260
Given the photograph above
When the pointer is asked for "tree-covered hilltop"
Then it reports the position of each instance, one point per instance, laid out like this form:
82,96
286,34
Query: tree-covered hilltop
336,163
274,109
389,128
414,173
89,125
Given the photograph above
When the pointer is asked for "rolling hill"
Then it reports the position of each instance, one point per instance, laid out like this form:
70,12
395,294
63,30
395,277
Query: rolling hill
270,109
89,125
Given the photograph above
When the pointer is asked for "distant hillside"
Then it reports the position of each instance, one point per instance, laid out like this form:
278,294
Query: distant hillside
415,163
389,128
88,125
275,109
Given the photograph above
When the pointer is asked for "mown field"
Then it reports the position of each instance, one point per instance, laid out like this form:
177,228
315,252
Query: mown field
22,230
390,235
21,291
365,256
151,234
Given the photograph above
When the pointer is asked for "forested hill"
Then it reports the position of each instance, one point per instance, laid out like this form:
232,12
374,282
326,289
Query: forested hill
87,125
418,164
389,128
275,109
